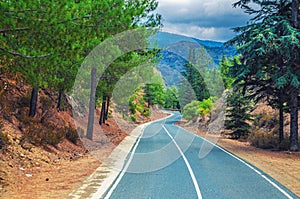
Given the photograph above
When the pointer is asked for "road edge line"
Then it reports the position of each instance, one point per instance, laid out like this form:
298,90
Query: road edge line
124,169
122,173
245,163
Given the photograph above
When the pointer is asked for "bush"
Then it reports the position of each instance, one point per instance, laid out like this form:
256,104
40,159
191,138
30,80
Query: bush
190,110
47,134
140,108
205,106
198,108
133,118
267,121
132,105
284,145
71,134
264,140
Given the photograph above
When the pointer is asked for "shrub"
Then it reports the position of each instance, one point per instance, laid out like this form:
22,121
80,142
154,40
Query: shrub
140,108
190,110
284,144
198,108
264,140
205,106
44,134
132,105
71,134
133,118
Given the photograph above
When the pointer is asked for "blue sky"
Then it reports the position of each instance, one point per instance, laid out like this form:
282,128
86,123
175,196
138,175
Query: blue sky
203,19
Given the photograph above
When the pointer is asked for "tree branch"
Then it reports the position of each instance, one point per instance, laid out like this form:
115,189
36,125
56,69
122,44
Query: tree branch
16,29
21,55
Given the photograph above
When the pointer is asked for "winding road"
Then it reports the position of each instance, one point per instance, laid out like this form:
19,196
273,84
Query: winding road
166,162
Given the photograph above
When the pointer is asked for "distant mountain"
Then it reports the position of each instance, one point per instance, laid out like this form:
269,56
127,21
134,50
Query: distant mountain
214,48
175,53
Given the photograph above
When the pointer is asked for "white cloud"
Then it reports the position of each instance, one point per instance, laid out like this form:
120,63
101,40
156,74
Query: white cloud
205,33
205,19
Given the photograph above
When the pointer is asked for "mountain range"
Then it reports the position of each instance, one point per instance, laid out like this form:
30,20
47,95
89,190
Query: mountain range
175,52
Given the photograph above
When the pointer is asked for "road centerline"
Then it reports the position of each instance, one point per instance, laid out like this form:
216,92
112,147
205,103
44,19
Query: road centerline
187,164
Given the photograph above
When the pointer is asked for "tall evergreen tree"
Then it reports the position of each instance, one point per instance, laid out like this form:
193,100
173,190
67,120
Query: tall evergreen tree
269,46
195,70
238,113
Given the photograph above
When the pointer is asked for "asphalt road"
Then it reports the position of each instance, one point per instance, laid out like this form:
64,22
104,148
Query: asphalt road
166,162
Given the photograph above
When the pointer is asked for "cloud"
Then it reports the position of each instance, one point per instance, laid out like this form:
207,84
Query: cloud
205,19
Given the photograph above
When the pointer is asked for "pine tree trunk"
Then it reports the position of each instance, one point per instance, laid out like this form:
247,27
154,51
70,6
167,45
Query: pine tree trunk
102,114
295,8
107,108
91,116
33,101
60,94
281,118
294,120
294,145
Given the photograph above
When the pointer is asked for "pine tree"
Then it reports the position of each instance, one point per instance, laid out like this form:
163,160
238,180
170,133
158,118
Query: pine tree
171,100
195,70
270,47
238,114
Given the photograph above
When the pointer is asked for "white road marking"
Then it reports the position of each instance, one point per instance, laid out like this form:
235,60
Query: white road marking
248,165
187,165
124,169
122,173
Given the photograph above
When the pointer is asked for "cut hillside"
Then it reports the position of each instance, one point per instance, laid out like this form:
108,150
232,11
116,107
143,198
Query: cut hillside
44,156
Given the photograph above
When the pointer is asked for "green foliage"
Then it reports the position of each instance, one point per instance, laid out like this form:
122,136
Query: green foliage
137,105
190,111
214,82
186,94
195,70
238,114
225,65
50,39
146,112
270,46
154,94
198,108
132,105
205,106
133,118
171,99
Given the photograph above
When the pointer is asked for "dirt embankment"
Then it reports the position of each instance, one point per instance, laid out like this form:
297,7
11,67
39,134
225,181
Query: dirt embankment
50,171
44,156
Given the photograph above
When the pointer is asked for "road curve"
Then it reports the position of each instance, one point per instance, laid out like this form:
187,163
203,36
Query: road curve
165,163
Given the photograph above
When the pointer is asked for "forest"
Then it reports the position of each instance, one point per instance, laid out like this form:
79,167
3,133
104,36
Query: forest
43,44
